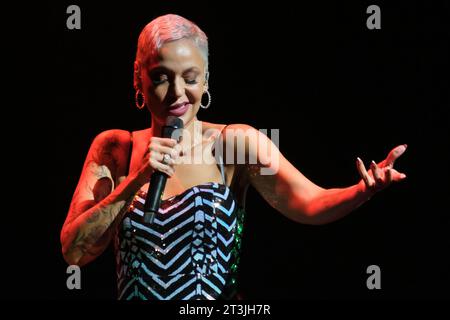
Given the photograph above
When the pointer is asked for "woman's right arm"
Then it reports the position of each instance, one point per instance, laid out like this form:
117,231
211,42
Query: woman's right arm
96,204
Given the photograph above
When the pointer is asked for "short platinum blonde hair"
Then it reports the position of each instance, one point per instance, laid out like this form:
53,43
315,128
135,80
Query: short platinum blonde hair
163,29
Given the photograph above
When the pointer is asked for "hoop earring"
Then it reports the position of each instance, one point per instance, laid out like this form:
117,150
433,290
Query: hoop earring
140,106
209,100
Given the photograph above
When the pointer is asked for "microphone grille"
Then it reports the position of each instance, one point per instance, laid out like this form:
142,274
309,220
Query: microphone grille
174,122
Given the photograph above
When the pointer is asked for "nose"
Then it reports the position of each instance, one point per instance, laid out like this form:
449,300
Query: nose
177,89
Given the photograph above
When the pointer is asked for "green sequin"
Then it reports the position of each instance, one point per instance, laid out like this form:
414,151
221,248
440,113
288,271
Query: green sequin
237,244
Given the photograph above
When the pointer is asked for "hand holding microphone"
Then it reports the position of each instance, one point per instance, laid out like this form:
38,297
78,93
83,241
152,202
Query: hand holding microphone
161,154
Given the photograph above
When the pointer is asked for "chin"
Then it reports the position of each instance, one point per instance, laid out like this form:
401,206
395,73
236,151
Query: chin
189,115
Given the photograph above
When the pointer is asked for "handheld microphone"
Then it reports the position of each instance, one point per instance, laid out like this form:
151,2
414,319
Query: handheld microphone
172,129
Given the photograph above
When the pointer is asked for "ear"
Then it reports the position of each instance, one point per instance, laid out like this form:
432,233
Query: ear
205,85
137,82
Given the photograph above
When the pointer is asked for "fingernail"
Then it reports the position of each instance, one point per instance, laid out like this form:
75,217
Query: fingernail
403,176
358,159
406,146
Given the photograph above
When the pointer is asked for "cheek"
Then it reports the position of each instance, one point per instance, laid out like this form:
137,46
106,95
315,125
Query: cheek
159,90
195,94
157,94
153,93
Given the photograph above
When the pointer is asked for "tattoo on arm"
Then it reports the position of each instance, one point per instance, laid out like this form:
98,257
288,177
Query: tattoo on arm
96,235
97,184
266,185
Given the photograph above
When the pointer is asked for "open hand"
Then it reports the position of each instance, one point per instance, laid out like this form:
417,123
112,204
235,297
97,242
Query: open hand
382,174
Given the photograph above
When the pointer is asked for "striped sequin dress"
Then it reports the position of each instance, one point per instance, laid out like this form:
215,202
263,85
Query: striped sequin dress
190,250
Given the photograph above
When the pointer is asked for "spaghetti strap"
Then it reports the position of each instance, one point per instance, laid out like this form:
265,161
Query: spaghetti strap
222,170
221,163
129,153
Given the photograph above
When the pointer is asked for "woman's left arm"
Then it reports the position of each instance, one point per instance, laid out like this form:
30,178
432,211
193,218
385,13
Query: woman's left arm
288,191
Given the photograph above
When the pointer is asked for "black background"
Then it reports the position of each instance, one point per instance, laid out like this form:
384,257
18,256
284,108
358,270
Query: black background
335,89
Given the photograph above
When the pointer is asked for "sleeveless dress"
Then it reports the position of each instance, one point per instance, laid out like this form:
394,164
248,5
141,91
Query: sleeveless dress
190,250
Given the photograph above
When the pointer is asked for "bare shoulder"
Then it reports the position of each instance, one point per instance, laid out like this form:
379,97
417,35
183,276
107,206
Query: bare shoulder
239,132
111,148
239,128
242,126
232,128
232,136
113,136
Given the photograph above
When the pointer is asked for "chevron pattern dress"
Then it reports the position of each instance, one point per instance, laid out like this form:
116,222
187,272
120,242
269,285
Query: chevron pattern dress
190,250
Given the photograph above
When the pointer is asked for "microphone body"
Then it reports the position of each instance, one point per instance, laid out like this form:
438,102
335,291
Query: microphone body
172,129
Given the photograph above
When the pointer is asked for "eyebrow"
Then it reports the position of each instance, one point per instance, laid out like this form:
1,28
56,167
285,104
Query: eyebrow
162,68
191,69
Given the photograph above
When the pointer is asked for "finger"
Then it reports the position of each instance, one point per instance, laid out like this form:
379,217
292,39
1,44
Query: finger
159,157
167,169
167,160
394,155
388,175
363,173
178,150
168,142
376,172
397,176
165,150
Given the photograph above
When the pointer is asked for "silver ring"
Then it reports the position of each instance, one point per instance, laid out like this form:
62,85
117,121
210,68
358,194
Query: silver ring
166,158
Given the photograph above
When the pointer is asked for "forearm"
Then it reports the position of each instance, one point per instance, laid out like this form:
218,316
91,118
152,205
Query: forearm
332,204
89,234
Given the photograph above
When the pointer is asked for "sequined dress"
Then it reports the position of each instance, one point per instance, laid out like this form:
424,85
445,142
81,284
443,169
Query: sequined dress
190,250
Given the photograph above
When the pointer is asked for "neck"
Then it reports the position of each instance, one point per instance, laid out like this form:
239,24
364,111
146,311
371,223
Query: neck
192,132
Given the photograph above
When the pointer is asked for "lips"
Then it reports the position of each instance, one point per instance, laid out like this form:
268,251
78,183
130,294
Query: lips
179,109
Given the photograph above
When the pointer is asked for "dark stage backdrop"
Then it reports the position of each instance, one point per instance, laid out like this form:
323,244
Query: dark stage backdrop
335,90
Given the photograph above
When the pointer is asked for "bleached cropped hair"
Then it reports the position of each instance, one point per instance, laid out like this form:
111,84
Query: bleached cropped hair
168,28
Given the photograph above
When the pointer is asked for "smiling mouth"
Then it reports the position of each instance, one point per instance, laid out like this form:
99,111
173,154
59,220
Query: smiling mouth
179,108
178,105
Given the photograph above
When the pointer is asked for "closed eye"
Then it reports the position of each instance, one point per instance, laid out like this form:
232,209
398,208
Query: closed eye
158,79
191,76
191,81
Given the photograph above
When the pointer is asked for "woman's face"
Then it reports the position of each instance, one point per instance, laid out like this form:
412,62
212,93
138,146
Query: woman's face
175,83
